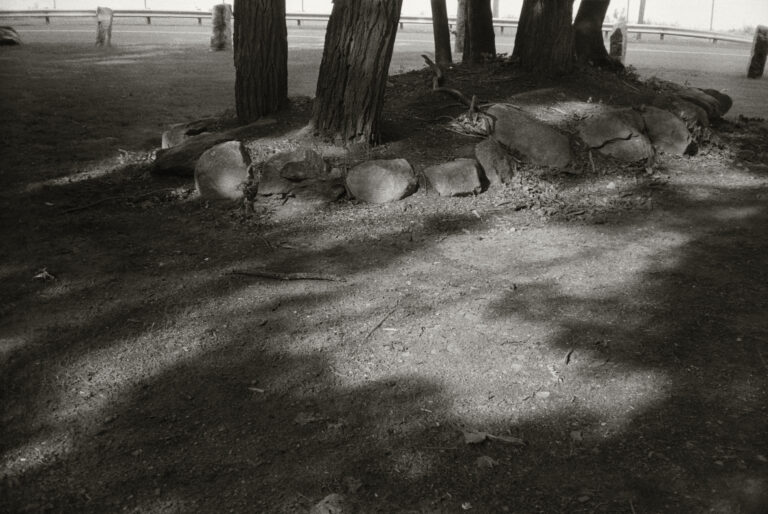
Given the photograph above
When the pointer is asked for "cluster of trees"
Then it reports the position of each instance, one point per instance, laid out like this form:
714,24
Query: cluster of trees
359,41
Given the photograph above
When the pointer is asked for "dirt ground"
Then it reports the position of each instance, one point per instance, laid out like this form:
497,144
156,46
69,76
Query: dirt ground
587,342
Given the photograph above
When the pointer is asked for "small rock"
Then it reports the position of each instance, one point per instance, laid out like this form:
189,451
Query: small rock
282,171
539,142
455,178
382,181
331,504
542,395
486,462
495,161
221,171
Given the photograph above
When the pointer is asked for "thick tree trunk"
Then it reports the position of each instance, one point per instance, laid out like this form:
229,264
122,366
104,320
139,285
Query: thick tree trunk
442,33
353,73
461,26
261,58
588,34
544,40
479,38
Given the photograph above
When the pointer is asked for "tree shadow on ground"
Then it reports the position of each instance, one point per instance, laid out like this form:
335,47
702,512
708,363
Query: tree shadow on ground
265,401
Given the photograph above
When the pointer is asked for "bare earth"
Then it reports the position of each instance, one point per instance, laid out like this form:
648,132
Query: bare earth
607,329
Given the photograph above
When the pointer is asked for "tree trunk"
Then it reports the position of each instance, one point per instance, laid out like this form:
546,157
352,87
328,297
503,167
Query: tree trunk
461,26
442,33
588,34
261,58
353,73
544,40
479,38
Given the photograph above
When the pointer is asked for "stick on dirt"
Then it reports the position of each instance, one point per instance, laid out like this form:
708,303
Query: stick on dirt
276,275
380,323
437,81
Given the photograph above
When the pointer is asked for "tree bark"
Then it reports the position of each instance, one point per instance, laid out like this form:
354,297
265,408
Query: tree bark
544,40
461,26
588,34
359,41
261,58
442,33
479,38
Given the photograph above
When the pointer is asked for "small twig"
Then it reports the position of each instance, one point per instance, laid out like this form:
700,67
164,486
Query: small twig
632,506
380,323
591,161
110,198
275,275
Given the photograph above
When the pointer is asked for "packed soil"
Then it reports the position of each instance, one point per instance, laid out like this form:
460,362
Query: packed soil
593,341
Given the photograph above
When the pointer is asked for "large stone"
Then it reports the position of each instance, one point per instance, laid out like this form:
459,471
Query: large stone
382,181
283,170
180,132
693,115
759,53
701,99
455,178
617,133
9,36
222,171
724,101
667,132
181,160
494,160
537,141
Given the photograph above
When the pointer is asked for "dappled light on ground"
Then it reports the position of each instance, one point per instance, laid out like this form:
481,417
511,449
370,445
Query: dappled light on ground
605,331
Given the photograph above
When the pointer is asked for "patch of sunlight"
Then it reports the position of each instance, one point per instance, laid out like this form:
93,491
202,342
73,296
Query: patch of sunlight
97,170
127,364
10,344
36,453
736,213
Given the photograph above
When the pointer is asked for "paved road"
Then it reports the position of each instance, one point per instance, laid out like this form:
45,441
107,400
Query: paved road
697,62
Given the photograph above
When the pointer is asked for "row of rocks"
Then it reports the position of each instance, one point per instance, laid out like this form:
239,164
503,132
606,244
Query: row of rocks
629,134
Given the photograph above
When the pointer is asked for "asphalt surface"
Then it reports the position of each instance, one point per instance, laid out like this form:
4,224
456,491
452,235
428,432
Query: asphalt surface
696,62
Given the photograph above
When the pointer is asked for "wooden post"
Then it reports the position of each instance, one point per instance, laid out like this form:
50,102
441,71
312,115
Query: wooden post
222,27
618,42
103,26
759,53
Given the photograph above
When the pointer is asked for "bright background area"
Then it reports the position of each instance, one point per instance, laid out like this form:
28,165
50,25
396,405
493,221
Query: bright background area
728,14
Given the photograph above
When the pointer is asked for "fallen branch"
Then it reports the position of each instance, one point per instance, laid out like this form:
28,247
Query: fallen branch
380,323
116,198
276,275
437,85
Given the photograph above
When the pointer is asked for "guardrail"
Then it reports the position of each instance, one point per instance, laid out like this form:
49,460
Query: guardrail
501,23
